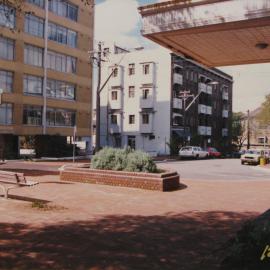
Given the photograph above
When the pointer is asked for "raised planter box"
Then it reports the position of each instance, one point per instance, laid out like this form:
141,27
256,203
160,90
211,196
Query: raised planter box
166,181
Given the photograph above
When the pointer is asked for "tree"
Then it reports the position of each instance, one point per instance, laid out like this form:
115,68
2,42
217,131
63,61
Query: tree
264,115
238,130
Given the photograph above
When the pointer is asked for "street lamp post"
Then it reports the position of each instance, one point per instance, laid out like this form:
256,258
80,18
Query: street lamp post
184,95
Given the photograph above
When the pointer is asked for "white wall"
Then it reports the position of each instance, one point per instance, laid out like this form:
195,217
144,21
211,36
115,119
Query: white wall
160,77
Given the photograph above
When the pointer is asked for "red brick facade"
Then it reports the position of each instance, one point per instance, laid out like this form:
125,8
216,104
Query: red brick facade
166,181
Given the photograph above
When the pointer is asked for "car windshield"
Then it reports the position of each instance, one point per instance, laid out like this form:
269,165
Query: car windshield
185,148
252,151
213,149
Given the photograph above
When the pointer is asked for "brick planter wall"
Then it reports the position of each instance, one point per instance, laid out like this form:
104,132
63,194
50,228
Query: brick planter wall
166,181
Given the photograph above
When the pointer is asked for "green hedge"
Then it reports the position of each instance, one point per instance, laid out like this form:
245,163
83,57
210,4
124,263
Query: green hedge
123,160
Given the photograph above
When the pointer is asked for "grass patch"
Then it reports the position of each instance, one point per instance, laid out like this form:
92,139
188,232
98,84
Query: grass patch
43,206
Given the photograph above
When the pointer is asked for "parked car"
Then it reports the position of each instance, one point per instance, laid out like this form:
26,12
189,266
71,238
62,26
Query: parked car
252,156
213,152
193,152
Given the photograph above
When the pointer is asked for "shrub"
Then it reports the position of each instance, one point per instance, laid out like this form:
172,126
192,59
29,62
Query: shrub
123,160
245,250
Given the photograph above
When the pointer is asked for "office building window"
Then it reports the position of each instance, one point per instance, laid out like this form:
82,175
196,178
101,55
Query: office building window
60,90
114,119
6,48
62,35
61,62
32,115
131,119
64,8
39,3
6,114
114,95
131,92
33,55
34,26
146,69
6,81
60,118
145,118
7,16
32,85
146,93
131,69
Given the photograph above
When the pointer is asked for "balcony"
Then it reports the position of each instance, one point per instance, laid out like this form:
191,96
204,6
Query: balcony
202,88
202,108
209,89
114,128
225,132
225,96
225,113
204,131
209,110
177,103
115,104
178,78
201,130
147,102
147,128
149,78
117,81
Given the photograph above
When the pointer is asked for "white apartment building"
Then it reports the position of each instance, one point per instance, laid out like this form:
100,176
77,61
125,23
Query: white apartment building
141,105
135,103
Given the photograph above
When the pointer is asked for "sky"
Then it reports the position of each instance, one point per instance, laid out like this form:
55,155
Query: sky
118,21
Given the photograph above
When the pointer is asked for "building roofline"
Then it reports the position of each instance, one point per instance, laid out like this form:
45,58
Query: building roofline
172,4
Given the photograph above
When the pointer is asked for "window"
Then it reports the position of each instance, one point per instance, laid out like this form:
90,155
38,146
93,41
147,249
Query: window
115,72
114,95
114,119
5,114
60,90
132,142
64,8
7,16
6,80
34,25
32,85
131,69
6,48
145,118
131,92
39,3
262,140
59,117
62,35
32,115
61,62
132,119
33,55
146,93
146,69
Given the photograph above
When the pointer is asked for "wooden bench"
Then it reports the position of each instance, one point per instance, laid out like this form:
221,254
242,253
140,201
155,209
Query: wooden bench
9,180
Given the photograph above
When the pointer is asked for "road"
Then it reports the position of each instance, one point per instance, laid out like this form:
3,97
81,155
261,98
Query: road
216,169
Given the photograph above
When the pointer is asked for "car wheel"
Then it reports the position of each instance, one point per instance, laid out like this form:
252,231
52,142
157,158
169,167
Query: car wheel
197,156
242,162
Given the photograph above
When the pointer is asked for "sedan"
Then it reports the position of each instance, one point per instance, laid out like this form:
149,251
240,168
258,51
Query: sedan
193,152
213,152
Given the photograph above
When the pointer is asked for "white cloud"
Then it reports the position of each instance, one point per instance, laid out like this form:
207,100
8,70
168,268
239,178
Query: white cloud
115,20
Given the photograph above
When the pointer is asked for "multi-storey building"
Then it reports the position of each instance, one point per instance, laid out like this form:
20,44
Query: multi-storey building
45,74
142,105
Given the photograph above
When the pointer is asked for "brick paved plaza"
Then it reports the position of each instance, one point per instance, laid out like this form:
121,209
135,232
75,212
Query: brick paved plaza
103,227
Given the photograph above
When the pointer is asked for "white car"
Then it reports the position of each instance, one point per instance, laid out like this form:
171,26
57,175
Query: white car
252,156
193,152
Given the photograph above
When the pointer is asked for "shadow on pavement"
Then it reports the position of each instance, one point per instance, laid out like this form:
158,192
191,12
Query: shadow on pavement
186,241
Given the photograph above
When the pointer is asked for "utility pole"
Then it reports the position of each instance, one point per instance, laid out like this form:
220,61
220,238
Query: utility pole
98,59
248,130
99,54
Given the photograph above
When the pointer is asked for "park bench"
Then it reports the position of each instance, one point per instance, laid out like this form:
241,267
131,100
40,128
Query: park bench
9,180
